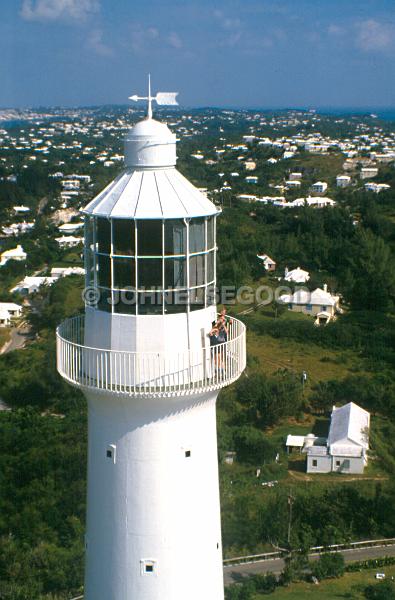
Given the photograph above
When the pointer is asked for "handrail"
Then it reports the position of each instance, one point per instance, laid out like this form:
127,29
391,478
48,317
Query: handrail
250,558
149,373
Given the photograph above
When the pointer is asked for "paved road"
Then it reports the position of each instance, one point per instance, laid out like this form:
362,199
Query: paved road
17,340
276,565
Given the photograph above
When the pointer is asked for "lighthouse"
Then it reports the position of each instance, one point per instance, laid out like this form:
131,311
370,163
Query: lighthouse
141,355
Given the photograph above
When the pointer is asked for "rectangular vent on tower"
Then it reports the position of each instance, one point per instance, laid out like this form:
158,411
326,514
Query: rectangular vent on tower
111,452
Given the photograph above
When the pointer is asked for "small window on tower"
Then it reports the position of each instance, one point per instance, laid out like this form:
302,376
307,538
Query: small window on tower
111,452
147,566
187,453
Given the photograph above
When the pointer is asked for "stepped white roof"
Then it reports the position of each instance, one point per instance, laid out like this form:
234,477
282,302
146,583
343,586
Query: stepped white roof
317,297
297,275
348,430
151,194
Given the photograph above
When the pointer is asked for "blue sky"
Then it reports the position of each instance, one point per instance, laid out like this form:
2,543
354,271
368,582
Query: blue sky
267,53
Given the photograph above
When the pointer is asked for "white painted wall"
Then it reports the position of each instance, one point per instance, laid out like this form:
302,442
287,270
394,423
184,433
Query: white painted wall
328,464
147,333
324,464
351,464
154,502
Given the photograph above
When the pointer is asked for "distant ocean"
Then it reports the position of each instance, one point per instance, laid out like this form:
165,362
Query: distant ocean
387,114
10,124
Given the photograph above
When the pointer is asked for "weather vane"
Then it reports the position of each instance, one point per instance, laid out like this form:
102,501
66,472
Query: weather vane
161,98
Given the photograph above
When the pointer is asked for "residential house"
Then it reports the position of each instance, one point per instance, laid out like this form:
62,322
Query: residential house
70,227
292,184
346,449
268,263
319,188
295,176
31,285
368,172
14,310
297,275
69,241
17,253
320,304
376,187
57,272
343,181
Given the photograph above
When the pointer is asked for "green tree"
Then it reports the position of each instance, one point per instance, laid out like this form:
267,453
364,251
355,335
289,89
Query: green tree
369,280
328,565
385,590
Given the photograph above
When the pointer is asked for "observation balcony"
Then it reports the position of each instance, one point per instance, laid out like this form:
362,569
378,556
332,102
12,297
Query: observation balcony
149,374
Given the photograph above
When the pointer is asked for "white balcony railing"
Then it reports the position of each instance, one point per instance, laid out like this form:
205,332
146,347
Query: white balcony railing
149,373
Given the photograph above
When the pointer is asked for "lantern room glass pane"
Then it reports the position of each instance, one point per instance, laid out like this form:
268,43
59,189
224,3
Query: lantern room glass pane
197,298
197,235
149,238
150,303
89,249
210,266
103,235
175,273
149,273
123,232
105,301
176,302
125,302
196,270
210,232
104,271
175,237
124,272
211,296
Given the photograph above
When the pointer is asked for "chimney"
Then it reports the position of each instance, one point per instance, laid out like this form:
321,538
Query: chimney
325,287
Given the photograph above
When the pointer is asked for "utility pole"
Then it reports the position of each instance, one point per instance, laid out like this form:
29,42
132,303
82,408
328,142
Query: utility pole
290,503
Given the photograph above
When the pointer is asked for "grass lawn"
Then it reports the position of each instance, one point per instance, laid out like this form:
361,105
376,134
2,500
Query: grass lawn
4,335
350,586
320,167
320,363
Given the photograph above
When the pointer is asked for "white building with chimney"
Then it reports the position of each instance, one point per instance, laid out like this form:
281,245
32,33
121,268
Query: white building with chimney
346,449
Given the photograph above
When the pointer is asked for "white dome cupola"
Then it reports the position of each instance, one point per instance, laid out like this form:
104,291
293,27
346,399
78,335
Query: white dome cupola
150,145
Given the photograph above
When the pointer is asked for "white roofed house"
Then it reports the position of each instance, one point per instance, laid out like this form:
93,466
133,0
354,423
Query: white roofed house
17,253
70,228
31,285
320,304
5,318
57,272
343,181
319,188
69,241
346,449
267,262
14,310
297,275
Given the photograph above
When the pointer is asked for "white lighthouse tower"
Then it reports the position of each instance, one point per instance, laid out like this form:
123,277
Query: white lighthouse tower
141,354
